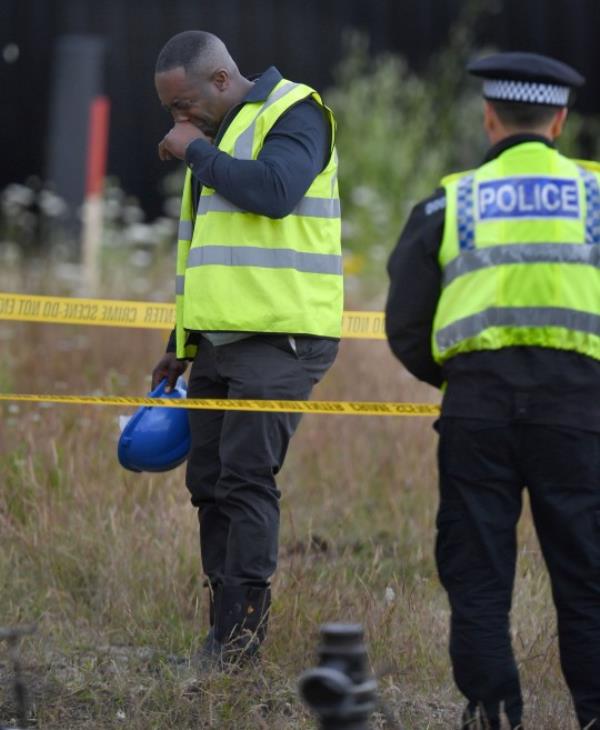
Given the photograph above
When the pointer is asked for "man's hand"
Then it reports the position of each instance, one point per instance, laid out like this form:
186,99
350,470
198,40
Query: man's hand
174,144
168,367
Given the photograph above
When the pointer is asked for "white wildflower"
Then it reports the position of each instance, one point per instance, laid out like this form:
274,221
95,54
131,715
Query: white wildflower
389,596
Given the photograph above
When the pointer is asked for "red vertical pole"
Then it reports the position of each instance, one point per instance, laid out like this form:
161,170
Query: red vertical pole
97,145
92,217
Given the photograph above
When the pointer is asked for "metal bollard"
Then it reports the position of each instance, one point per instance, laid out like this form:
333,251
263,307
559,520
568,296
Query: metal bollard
341,690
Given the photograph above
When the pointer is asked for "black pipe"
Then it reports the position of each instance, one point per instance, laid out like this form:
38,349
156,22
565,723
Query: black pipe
340,690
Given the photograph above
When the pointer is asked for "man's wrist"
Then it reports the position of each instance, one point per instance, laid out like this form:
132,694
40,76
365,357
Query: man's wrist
195,150
172,343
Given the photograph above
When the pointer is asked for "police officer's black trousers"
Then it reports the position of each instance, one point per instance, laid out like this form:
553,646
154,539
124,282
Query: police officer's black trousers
483,469
236,455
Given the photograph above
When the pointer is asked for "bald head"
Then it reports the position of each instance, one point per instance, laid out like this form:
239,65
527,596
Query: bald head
197,81
197,52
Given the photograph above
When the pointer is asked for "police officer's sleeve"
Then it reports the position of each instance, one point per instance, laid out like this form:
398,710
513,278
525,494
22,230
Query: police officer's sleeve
415,286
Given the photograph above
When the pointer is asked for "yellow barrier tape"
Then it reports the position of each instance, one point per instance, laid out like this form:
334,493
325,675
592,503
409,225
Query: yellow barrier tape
356,408
107,312
148,315
363,325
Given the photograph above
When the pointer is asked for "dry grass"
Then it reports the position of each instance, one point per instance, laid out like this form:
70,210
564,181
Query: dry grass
106,561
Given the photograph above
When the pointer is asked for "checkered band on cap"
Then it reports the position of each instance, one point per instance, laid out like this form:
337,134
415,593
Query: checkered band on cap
528,92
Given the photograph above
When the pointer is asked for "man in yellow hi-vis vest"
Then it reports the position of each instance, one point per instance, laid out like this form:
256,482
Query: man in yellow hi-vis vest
495,298
259,304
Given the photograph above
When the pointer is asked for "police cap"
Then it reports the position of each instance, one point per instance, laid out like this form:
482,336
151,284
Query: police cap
528,78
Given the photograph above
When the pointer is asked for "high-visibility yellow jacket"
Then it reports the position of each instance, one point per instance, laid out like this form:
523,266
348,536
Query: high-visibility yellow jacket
238,271
521,255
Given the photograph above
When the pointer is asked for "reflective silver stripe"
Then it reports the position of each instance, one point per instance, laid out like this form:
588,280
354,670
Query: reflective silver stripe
318,208
310,207
521,253
270,258
179,284
185,230
243,144
471,326
216,203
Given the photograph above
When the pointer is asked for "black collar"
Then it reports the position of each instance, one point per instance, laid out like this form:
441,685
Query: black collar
514,140
263,85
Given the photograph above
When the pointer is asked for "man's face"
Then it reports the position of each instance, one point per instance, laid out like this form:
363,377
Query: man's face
190,98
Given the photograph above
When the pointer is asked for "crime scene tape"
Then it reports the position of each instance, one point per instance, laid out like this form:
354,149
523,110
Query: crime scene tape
356,408
148,315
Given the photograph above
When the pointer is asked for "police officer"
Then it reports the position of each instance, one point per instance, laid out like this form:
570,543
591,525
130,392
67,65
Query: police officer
495,292
259,304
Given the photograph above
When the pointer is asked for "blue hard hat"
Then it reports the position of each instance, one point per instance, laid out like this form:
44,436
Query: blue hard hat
156,438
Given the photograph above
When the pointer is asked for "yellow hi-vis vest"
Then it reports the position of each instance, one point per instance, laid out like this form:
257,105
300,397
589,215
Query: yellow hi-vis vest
520,256
242,272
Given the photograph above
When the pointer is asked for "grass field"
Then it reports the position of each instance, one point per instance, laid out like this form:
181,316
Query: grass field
106,562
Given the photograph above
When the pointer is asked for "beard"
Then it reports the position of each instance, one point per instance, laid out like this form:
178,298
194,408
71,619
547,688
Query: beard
209,129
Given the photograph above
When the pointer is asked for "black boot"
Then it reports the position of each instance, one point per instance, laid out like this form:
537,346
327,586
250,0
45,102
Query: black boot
475,718
240,626
241,617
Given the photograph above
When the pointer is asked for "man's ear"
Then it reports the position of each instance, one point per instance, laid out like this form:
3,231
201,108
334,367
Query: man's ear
558,122
492,125
489,117
221,79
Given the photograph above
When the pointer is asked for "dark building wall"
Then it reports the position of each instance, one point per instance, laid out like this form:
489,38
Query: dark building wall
302,37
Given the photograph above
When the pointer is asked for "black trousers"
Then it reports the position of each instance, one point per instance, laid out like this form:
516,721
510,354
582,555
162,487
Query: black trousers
483,468
236,455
